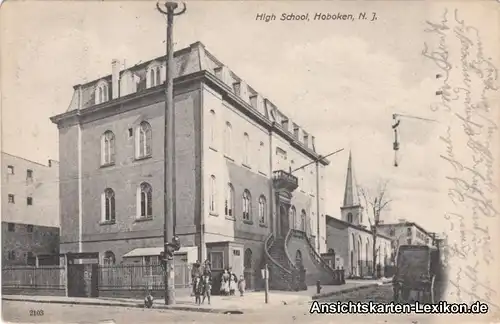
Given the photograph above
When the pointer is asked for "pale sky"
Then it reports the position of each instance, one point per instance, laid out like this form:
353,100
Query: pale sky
340,80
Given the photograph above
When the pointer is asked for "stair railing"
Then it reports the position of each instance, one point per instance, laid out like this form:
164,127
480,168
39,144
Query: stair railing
288,257
281,275
317,258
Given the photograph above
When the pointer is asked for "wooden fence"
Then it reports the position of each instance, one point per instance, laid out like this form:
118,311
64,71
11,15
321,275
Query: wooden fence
122,277
32,277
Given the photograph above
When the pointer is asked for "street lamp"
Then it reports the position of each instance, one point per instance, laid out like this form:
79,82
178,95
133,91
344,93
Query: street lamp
169,153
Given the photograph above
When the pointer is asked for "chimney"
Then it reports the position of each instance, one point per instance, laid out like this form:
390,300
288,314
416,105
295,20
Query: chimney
115,78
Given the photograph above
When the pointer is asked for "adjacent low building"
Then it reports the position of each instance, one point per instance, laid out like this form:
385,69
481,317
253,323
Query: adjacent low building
407,233
349,242
30,211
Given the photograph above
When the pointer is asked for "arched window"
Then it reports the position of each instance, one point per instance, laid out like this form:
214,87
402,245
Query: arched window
247,261
227,139
246,147
213,194
262,210
247,205
367,255
108,205
145,198
349,217
153,75
108,148
143,140
108,258
101,93
158,75
303,220
229,201
293,217
152,78
212,128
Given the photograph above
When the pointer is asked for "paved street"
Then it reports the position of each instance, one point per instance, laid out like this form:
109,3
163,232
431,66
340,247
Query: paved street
57,313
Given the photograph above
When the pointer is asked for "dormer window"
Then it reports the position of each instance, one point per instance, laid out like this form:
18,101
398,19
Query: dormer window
237,88
154,75
296,131
306,139
101,92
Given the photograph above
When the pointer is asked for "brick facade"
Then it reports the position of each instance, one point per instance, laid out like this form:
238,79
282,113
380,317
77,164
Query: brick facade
206,101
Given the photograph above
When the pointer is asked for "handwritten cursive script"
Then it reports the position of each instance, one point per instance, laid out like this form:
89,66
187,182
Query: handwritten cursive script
469,78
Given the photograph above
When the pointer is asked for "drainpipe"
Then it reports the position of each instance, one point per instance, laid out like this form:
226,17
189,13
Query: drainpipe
318,216
272,198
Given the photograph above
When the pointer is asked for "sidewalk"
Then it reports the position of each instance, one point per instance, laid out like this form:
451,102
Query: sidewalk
252,301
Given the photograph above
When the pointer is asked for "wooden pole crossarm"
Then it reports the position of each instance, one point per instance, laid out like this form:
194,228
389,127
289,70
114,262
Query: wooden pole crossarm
316,160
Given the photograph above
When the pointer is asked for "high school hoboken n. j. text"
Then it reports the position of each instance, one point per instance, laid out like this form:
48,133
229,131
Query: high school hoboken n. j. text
317,16
393,308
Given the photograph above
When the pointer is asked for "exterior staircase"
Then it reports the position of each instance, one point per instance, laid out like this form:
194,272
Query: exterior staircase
285,275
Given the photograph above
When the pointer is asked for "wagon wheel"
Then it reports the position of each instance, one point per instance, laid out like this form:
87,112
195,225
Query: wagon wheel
432,290
405,294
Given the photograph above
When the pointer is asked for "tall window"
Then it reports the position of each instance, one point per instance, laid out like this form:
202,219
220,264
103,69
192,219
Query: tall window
262,210
228,139
217,260
229,201
101,92
143,140
246,147
213,194
108,205
212,128
107,148
349,217
293,217
154,76
303,220
145,200
247,205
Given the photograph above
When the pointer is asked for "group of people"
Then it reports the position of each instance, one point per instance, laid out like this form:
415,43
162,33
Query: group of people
229,282
202,282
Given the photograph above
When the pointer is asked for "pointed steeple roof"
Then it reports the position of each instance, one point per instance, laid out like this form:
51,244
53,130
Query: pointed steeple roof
351,195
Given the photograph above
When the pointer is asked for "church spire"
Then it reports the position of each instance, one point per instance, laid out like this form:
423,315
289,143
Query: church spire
351,197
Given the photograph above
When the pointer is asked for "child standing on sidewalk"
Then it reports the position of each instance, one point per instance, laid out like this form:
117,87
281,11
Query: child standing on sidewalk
198,290
241,285
207,287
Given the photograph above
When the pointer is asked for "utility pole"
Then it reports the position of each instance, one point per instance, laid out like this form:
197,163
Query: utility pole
169,152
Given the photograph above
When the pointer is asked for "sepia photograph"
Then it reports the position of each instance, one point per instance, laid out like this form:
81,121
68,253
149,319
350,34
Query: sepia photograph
250,161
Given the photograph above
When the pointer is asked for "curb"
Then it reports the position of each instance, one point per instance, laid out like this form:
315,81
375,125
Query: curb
178,308
344,291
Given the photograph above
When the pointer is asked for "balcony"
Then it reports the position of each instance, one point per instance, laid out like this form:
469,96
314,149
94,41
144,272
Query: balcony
285,181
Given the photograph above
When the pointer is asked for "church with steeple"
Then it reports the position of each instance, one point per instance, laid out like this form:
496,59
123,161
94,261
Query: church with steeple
348,237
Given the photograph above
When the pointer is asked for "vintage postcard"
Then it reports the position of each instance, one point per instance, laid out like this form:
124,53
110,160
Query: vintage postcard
256,161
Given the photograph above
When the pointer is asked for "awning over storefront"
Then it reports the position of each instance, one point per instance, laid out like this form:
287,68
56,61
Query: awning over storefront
155,251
